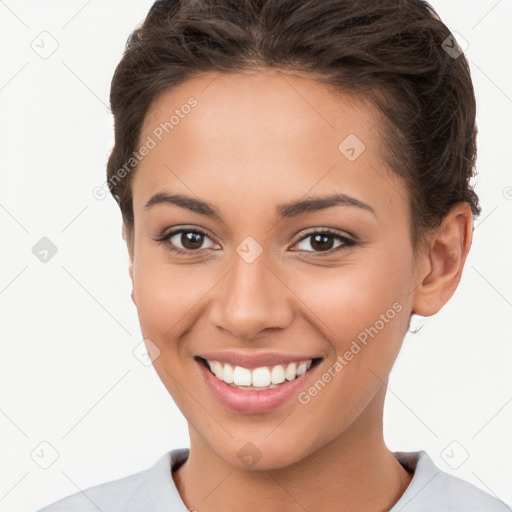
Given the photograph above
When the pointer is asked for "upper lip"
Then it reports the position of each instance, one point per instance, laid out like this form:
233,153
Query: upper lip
255,360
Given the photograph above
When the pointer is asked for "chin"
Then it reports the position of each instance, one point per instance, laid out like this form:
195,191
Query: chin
261,453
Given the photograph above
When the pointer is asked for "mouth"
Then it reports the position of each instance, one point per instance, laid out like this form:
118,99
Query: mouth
249,377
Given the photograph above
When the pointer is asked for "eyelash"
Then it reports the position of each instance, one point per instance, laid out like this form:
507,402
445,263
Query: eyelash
346,241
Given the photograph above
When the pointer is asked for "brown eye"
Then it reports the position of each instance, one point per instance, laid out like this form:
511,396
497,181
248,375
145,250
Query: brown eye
186,241
324,240
191,240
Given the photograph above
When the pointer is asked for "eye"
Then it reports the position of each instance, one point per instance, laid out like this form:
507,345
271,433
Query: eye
322,241
187,241
190,240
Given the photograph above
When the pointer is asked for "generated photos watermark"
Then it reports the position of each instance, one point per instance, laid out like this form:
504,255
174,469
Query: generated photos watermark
157,135
304,397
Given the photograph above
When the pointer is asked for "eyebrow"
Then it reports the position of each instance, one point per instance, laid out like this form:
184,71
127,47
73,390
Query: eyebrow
287,210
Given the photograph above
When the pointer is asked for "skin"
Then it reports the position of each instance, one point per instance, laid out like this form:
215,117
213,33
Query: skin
256,140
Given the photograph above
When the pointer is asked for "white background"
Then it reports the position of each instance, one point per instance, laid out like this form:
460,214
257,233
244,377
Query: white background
68,376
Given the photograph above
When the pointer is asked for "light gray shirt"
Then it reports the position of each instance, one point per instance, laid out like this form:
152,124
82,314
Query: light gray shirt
153,490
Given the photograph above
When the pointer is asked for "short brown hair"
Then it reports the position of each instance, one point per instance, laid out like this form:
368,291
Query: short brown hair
390,51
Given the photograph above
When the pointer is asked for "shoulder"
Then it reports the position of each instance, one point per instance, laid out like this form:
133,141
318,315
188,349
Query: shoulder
110,496
432,489
133,493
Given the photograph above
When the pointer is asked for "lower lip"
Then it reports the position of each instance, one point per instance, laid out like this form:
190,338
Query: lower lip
252,402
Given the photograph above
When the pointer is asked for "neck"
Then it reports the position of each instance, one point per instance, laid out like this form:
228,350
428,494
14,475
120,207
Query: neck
353,472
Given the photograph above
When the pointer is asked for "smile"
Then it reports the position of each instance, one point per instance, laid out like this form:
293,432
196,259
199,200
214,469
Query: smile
256,382
258,379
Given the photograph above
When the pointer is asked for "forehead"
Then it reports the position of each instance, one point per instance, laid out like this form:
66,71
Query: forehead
265,133
263,103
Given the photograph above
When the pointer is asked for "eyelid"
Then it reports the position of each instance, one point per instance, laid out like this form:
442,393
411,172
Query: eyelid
166,233
326,230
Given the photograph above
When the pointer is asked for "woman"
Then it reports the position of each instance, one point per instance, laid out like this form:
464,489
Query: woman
294,181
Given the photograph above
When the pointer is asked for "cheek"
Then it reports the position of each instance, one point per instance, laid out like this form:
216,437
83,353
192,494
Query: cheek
170,300
165,297
362,313
348,300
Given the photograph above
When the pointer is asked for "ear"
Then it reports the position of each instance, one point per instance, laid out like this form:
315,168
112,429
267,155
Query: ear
130,264
441,265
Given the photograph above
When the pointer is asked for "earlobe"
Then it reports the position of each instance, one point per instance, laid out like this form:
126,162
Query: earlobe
447,252
130,272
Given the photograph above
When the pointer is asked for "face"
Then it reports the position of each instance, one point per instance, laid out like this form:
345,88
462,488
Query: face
239,257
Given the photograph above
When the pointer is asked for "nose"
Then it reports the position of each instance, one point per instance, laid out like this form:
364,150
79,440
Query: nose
252,298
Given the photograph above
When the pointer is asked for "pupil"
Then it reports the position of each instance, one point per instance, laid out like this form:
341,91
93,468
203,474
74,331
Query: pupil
191,240
322,245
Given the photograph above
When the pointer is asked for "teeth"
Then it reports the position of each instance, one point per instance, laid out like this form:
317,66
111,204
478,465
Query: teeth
291,371
216,368
263,377
241,376
302,369
226,373
277,374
